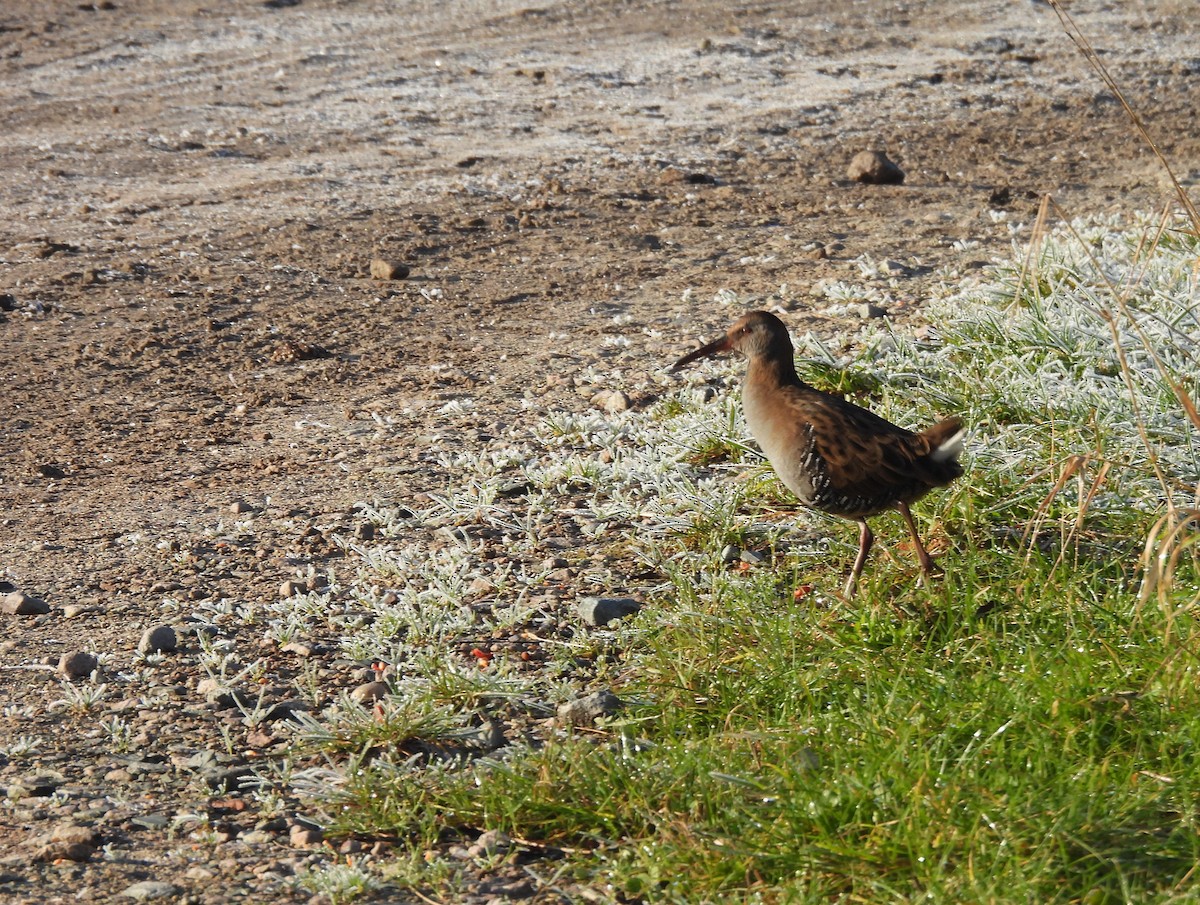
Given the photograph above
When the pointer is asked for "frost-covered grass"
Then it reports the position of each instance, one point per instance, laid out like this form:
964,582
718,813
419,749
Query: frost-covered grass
1024,729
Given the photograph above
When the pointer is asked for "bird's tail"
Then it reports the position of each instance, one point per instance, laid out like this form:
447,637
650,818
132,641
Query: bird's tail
946,440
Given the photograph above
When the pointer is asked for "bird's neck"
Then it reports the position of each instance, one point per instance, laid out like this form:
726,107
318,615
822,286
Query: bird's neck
773,371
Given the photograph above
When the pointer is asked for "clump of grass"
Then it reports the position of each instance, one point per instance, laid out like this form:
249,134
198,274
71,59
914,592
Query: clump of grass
337,883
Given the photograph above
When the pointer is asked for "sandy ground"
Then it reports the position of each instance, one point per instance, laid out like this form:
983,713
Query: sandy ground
194,193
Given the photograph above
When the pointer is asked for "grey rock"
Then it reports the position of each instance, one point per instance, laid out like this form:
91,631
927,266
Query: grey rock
866,310
731,553
149,891
77,664
207,759
150,821
586,710
40,785
209,764
18,603
603,610
753,557
158,639
137,768
874,168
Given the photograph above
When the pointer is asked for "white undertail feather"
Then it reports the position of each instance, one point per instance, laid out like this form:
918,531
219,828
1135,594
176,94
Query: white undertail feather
949,449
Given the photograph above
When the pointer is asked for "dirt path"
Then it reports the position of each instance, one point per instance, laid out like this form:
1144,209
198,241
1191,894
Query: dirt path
195,192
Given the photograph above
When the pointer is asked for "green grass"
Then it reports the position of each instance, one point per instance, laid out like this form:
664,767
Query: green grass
1042,752
1024,729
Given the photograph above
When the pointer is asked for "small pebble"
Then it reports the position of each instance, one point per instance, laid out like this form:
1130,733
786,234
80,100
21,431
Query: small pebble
489,844
150,821
612,401
874,168
302,836
65,851
369,693
75,610
69,832
603,610
258,738
482,586
291,588
77,664
866,310
586,710
388,270
149,891
158,639
18,603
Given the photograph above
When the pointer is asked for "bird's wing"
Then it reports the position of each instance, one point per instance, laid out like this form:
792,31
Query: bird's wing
868,457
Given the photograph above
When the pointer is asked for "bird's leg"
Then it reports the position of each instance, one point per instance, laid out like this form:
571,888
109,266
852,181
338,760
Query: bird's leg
922,554
865,539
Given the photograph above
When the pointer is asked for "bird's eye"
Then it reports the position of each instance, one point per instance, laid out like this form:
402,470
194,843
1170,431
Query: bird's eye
745,331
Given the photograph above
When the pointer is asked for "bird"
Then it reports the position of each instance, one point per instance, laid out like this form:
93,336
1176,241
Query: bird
836,457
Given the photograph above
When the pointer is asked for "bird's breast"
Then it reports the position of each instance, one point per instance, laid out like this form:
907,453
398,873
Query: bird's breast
785,438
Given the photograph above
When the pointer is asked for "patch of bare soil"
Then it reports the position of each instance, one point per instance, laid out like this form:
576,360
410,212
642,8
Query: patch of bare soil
195,192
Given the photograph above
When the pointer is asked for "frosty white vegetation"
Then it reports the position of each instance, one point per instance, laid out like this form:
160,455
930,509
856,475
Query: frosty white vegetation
1061,368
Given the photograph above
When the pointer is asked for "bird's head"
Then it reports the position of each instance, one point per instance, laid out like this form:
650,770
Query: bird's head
756,335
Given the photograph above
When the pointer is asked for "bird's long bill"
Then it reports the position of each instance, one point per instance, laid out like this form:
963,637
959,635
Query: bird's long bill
713,348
